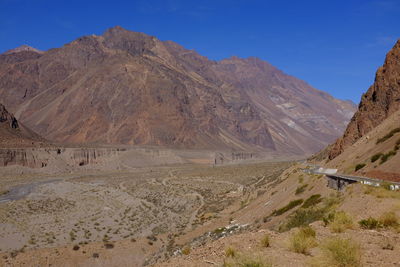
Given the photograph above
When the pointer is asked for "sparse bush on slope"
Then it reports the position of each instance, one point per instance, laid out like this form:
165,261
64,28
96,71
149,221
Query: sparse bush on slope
292,204
339,252
359,166
387,136
303,240
341,222
376,157
246,260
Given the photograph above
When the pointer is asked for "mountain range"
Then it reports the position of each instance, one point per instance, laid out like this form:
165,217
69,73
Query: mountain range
126,87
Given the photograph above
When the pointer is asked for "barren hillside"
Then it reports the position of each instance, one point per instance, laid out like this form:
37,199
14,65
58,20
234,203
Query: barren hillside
126,87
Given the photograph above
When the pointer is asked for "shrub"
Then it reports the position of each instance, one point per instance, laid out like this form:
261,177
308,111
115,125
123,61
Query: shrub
370,223
246,260
341,253
292,204
230,252
75,247
341,222
311,201
308,231
265,241
376,157
387,136
389,219
305,216
387,156
109,245
301,189
186,251
302,217
303,240
359,166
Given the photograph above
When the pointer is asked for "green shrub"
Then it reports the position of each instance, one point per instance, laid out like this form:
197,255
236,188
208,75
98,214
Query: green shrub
302,217
303,240
338,252
387,136
387,156
341,222
292,204
370,223
305,216
265,241
301,189
359,166
311,201
376,157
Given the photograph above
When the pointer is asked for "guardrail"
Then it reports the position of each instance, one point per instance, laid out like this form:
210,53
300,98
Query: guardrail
352,179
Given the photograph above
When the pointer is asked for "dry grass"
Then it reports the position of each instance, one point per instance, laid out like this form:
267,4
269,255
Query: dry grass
247,260
265,242
389,219
303,240
341,222
339,252
230,252
380,192
186,251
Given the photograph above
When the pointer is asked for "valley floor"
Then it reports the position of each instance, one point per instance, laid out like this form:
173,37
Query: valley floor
193,215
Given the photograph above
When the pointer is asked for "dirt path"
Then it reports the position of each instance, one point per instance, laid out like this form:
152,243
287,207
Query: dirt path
22,191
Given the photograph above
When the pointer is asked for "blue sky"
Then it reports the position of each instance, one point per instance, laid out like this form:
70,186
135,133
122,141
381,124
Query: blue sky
335,46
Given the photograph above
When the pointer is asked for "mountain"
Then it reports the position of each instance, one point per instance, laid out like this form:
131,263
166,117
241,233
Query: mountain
21,49
14,134
126,87
380,101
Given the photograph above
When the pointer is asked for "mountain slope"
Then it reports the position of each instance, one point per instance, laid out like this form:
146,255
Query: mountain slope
130,88
380,101
13,134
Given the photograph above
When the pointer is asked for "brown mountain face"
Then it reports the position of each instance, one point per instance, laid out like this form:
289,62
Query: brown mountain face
13,134
380,101
130,88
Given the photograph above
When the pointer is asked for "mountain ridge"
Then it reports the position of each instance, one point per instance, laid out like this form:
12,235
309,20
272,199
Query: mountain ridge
130,88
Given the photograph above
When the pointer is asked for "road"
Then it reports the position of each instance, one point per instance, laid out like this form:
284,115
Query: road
351,178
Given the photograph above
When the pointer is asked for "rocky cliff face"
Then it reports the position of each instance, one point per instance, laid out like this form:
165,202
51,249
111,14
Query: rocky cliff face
380,101
130,88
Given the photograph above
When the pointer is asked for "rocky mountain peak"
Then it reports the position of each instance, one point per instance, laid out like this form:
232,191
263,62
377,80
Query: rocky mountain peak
23,48
135,43
126,87
380,101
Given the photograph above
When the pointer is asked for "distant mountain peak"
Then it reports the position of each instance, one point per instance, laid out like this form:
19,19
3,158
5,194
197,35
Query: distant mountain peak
22,48
127,87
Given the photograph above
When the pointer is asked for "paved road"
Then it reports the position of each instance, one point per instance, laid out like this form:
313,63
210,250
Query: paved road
361,179
21,191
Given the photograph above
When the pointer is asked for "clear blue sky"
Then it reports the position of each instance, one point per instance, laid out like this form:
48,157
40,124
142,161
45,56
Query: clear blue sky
336,46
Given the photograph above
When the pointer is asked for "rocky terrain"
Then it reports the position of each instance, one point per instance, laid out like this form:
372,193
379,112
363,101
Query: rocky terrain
15,134
380,101
126,87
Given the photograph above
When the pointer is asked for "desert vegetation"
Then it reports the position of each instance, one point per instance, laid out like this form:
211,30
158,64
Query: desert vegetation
388,135
303,240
